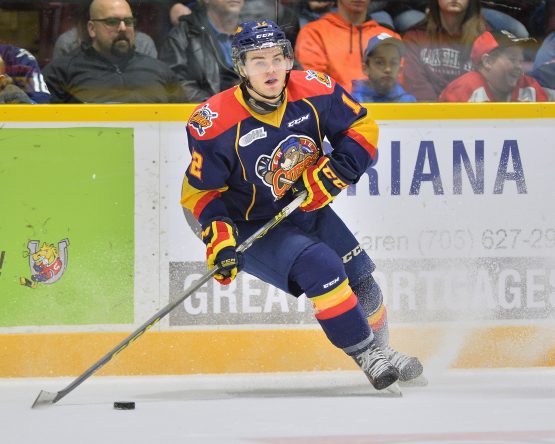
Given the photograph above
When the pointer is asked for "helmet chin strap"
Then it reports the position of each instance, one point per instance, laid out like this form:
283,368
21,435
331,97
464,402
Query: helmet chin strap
261,106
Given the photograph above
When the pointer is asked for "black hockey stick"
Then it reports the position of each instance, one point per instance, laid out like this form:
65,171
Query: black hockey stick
45,398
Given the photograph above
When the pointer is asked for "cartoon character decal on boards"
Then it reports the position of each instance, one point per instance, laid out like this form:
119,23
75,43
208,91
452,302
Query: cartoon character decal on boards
47,263
287,163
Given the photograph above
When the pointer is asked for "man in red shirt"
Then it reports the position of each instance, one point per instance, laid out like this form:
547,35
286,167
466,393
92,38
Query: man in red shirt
497,74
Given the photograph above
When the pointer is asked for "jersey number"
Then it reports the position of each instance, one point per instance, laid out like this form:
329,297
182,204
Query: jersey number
196,165
351,104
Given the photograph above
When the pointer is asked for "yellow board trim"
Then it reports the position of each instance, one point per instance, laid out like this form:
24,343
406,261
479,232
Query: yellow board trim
181,112
250,351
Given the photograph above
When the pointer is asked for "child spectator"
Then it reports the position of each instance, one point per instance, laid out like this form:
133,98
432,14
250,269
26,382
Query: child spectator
382,61
334,43
498,77
438,50
20,78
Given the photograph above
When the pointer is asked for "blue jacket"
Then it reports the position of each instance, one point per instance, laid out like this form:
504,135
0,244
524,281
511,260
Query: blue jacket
364,93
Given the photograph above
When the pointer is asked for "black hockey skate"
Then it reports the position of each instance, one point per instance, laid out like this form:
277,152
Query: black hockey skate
379,371
409,367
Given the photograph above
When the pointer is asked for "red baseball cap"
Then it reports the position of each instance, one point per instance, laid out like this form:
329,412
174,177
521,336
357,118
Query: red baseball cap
488,41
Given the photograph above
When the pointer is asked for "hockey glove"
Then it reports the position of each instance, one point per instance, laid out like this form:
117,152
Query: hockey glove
322,184
219,237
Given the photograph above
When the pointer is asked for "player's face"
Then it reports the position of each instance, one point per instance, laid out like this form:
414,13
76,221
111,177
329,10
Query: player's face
112,39
266,70
382,68
506,69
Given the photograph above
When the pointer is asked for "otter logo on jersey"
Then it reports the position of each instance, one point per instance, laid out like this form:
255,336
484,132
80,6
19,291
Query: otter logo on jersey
202,119
287,163
324,79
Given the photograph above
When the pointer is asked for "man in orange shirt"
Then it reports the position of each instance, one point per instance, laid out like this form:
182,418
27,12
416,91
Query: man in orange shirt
335,43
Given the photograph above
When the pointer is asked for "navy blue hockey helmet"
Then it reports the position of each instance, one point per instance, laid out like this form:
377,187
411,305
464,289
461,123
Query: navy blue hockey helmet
252,36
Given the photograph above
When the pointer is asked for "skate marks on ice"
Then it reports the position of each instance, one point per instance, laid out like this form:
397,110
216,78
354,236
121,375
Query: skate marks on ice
267,386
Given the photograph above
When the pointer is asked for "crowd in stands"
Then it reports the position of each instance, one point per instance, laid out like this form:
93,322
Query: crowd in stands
378,50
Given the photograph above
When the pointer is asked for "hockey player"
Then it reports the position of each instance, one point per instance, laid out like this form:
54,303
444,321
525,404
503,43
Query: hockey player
256,145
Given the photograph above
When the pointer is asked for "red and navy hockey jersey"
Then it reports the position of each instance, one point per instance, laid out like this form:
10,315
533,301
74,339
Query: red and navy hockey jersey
244,163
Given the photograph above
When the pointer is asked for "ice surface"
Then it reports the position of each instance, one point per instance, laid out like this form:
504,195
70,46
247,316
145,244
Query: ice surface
486,406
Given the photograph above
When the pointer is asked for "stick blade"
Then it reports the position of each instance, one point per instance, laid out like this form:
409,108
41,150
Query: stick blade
45,399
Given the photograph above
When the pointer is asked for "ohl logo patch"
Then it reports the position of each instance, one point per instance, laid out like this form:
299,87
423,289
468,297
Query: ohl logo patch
287,163
47,262
324,79
202,119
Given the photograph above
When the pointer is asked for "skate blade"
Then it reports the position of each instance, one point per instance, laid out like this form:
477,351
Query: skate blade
44,399
419,381
393,390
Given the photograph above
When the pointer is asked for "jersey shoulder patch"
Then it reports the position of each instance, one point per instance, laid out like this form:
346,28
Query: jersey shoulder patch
216,115
309,83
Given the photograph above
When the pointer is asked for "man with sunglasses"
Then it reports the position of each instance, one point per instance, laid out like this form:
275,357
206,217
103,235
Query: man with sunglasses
107,69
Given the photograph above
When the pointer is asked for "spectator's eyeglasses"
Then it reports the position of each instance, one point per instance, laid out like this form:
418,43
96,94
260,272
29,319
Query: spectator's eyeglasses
114,22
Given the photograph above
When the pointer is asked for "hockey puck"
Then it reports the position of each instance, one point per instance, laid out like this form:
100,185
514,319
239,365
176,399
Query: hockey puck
124,405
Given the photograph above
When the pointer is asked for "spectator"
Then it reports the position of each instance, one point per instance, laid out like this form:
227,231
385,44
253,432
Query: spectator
544,63
20,78
498,75
438,51
71,40
108,69
198,49
333,44
544,66
409,13
310,10
382,62
178,10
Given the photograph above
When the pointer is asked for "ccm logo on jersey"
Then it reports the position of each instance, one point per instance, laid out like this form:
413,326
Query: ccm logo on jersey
251,136
297,121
